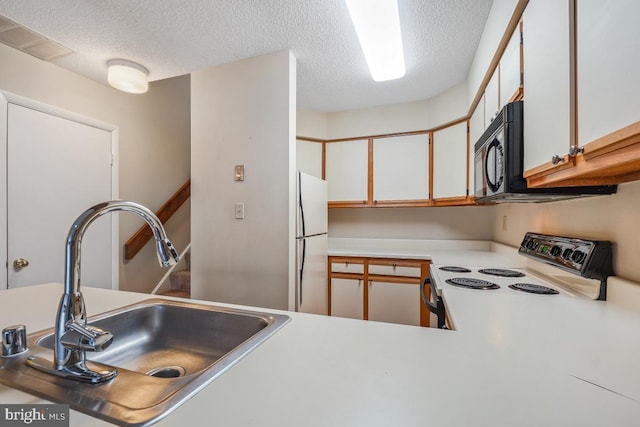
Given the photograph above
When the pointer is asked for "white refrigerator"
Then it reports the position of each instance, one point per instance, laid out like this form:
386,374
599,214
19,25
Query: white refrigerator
311,294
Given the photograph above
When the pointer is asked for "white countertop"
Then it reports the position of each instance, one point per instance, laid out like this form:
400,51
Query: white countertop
460,252
510,363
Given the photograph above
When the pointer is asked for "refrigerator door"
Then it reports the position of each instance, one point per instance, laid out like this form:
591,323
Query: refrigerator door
311,289
312,206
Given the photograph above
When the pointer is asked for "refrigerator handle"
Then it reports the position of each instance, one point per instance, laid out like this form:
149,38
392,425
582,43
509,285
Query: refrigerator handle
304,247
300,205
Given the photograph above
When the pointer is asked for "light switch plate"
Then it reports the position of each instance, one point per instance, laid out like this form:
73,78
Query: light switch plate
238,173
239,210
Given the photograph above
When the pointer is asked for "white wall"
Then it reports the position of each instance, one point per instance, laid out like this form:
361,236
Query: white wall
447,223
154,143
410,116
244,113
615,218
311,124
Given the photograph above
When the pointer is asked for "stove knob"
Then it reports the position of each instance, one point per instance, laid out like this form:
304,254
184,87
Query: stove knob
567,253
531,245
578,256
556,250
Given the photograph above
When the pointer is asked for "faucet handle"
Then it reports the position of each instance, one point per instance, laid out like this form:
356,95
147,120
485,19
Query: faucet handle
14,340
86,338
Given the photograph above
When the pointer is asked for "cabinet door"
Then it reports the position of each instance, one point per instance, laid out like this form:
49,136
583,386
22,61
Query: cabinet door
347,298
608,42
476,129
450,162
510,69
394,302
309,157
546,81
347,170
491,99
401,168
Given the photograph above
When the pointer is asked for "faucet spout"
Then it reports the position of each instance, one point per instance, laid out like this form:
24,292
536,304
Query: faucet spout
72,335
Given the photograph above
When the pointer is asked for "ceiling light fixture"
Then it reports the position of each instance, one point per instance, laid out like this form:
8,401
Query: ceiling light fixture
377,23
127,76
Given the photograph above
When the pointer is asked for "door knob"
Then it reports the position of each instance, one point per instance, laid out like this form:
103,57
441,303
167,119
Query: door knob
20,263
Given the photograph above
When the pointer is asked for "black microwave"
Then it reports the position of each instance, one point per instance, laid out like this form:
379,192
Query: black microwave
499,165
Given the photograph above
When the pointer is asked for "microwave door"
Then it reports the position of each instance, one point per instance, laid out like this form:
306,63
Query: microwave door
494,164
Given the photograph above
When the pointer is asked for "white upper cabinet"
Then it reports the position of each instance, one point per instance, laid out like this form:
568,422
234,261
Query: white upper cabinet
309,157
401,168
547,119
492,98
510,69
476,129
450,162
608,60
347,171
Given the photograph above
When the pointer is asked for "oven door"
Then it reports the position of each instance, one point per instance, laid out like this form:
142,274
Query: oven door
490,165
434,304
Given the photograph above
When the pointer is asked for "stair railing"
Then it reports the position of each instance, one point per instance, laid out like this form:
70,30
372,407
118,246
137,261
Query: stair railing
144,233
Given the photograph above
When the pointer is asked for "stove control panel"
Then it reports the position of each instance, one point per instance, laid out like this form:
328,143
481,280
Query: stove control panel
588,258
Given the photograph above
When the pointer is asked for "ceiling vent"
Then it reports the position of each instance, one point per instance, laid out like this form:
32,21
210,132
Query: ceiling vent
21,38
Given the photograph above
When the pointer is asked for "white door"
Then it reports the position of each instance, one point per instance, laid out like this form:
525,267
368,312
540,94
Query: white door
56,169
347,298
450,162
312,206
401,168
394,302
347,171
312,275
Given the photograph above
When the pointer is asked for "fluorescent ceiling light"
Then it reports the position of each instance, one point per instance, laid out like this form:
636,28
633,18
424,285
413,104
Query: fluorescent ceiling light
127,76
377,24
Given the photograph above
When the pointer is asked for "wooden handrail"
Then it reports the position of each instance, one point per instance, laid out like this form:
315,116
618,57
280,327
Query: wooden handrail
142,236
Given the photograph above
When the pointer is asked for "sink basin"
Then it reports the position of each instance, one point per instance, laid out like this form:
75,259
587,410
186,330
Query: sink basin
165,352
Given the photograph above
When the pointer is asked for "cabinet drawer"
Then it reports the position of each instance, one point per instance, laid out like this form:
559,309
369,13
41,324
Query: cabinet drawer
394,270
347,267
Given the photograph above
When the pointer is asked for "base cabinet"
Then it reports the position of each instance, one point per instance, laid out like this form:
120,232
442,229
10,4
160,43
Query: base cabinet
394,302
391,294
346,298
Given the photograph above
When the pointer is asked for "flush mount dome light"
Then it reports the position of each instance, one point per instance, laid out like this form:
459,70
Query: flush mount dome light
377,23
127,76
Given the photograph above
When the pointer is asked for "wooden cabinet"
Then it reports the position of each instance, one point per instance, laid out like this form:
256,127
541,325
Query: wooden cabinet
309,157
391,294
598,110
346,297
401,168
450,167
546,81
608,60
392,301
492,98
511,69
476,129
347,171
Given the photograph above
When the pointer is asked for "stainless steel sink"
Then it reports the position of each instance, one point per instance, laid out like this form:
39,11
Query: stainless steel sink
165,352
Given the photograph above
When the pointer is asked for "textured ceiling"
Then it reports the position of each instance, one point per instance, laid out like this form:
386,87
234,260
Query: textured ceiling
176,37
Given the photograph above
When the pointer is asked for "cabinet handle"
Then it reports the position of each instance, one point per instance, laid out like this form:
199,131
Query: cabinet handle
574,150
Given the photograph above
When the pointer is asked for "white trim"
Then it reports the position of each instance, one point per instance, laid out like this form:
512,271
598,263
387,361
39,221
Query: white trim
7,98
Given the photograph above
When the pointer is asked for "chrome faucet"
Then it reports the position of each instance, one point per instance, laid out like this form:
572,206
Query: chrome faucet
73,337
